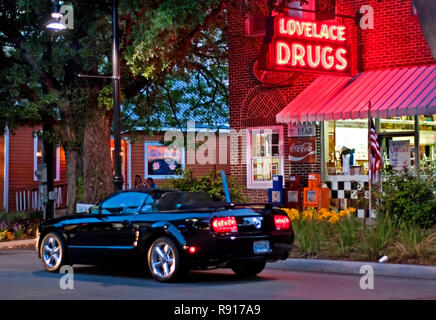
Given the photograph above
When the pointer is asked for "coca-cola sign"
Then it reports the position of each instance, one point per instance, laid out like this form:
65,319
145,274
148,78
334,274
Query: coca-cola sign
302,150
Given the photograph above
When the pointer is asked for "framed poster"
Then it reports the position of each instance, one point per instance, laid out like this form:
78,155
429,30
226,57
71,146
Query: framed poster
302,150
399,154
162,162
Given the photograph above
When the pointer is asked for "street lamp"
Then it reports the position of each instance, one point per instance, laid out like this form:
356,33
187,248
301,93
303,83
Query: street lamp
118,177
49,195
56,24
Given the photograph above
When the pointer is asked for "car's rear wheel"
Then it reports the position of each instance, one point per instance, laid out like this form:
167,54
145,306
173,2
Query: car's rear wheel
52,252
164,261
248,269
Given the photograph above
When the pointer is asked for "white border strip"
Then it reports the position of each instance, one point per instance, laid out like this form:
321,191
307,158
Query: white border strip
129,164
6,171
35,158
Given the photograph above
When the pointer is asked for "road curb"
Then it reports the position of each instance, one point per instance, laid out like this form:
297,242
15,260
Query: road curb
353,268
17,244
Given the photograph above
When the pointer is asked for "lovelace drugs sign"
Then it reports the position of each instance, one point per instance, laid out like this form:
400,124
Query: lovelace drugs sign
298,45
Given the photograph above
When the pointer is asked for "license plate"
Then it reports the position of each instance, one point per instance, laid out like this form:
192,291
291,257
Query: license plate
261,246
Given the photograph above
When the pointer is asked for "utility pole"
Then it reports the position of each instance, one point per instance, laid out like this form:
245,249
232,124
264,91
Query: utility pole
118,177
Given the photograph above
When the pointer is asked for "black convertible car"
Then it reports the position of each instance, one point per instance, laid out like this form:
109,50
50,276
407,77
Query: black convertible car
170,231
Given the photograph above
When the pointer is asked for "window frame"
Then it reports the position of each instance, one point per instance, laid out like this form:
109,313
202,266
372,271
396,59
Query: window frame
156,176
35,160
251,184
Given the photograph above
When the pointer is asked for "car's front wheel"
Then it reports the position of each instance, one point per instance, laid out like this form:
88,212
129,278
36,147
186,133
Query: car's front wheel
164,261
248,269
52,252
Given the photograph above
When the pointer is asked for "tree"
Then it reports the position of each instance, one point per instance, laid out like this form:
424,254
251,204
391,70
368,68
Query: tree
41,84
40,67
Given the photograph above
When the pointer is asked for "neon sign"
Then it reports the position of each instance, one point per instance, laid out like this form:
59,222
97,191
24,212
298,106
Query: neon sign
298,45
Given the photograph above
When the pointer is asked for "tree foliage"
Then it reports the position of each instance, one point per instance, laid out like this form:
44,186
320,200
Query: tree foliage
173,53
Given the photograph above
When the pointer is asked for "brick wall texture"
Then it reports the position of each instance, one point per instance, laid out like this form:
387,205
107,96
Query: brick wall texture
396,41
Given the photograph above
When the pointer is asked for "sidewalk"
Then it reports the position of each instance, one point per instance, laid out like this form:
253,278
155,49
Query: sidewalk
353,268
17,244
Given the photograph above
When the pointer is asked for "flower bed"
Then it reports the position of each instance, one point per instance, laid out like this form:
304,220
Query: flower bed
19,225
327,234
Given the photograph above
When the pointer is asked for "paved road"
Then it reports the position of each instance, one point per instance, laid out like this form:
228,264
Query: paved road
23,277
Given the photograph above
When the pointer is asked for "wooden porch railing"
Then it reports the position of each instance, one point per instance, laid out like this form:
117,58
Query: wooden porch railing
27,199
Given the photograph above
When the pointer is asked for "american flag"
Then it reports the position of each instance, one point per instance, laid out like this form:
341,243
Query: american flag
376,159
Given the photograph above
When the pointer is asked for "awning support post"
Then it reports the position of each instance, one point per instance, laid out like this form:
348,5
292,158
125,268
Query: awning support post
369,165
416,149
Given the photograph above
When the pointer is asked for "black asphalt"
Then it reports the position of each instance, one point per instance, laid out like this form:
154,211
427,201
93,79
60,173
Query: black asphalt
23,277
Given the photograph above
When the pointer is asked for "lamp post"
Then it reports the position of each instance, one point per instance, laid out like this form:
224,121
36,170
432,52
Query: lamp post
46,180
56,24
118,177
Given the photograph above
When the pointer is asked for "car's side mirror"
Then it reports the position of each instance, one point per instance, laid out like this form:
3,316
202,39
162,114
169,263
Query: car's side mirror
94,210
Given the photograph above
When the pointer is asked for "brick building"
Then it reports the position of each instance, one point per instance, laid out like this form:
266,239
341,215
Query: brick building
390,65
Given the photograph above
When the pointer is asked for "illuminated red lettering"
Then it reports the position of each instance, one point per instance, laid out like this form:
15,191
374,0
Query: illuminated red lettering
307,30
300,27
341,33
291,27
283,53
298,53
282,29
327,61
331,34
324,33
339,56
310,61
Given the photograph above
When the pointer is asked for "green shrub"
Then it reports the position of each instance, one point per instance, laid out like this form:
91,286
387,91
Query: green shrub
377,239
19,216
210,183
408,198
309,236
349,232
414,243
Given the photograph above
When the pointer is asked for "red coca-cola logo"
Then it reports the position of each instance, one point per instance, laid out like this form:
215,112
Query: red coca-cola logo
302,148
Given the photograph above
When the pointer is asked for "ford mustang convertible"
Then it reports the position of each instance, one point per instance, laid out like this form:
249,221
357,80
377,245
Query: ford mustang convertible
170,232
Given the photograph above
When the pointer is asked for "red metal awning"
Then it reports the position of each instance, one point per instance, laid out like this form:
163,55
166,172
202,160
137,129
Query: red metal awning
393,92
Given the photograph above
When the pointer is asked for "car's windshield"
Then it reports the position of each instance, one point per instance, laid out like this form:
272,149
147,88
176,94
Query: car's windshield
127,202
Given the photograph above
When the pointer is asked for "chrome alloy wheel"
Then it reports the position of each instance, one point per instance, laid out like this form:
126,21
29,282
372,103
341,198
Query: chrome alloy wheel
162,259
51,252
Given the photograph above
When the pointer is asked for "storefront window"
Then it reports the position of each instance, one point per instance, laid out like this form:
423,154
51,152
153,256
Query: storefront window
347,147
351,137
427,139
265,156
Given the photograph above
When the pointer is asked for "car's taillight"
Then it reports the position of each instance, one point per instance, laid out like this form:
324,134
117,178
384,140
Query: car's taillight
227,224
282,222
